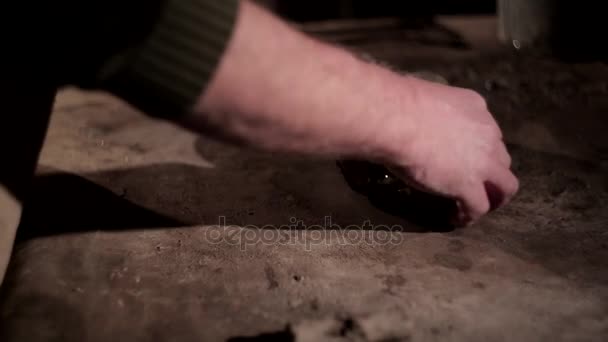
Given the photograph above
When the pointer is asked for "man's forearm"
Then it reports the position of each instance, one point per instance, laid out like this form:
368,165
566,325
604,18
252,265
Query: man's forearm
280,90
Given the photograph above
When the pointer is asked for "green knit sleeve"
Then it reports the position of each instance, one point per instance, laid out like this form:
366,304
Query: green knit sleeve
166,73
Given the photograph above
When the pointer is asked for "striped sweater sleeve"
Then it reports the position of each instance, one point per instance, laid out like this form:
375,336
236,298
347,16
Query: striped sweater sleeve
166,73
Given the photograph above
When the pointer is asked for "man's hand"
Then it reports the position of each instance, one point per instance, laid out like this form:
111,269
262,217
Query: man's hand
455,150
278,90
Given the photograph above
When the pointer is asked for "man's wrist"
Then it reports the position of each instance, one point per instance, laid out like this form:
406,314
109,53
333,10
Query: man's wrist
389,119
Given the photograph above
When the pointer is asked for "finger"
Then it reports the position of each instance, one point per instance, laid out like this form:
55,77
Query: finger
503,155
501,186
473,203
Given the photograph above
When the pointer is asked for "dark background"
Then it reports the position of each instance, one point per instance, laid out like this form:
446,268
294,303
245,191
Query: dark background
320,9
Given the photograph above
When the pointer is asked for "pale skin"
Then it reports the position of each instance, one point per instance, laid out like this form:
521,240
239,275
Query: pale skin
277,89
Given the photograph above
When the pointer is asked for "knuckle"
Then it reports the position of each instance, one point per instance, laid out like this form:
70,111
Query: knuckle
499,133
494,132
476,98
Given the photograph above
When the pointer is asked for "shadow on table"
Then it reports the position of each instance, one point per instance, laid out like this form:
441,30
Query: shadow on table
176,195
63,203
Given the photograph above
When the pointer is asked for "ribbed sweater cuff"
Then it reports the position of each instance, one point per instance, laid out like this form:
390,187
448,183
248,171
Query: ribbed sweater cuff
173,66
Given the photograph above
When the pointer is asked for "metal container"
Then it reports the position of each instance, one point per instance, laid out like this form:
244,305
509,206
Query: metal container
564,28
526,23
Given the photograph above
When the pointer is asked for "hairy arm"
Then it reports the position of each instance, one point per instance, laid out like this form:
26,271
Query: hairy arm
277,89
